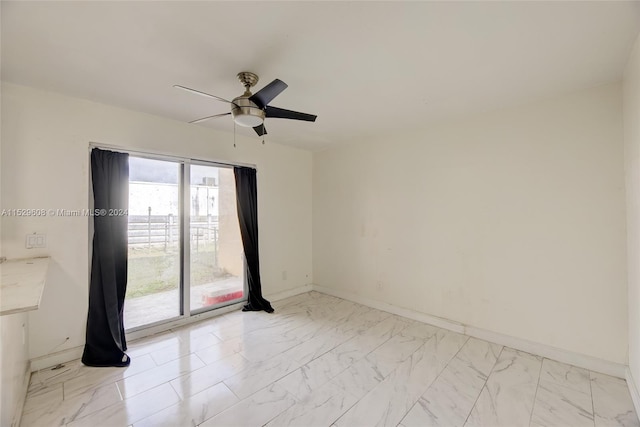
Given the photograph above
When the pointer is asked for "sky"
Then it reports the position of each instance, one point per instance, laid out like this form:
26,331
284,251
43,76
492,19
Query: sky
166,172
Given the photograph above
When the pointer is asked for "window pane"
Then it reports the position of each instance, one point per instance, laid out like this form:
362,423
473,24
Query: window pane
217,260
154,242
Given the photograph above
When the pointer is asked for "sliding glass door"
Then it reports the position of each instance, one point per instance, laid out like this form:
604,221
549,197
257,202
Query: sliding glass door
153,283
185,251
216,256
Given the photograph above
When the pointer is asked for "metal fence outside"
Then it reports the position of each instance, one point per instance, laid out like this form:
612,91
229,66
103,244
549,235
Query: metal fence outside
162,231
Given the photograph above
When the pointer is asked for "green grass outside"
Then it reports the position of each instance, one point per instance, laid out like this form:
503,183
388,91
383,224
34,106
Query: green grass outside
153,270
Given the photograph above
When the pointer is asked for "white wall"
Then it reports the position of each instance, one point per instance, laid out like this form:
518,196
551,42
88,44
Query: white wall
45,164
512,221
632,169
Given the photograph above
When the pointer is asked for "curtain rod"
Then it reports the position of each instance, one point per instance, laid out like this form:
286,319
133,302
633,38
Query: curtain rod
120,149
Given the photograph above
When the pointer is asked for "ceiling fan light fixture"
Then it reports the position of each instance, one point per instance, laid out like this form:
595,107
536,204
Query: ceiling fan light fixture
248,120
246,113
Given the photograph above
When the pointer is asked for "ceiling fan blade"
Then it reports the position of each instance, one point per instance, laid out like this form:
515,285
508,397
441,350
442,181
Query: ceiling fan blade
260,130
188,89
262,97
281,113
209,117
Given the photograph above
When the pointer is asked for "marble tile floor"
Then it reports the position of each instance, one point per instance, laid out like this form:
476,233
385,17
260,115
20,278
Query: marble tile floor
322,361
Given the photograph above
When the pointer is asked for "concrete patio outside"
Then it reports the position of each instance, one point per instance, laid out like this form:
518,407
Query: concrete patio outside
165,305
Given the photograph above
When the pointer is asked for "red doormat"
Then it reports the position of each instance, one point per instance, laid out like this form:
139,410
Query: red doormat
216,297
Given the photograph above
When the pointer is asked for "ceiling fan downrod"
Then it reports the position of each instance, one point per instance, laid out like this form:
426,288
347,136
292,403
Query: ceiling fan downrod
248,80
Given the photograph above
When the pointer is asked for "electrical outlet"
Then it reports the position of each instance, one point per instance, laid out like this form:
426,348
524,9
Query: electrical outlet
36,241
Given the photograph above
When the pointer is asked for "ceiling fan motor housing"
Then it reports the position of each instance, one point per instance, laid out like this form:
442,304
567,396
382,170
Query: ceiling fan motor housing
246,113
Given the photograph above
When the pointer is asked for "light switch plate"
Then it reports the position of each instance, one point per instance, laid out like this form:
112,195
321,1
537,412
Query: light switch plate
36,241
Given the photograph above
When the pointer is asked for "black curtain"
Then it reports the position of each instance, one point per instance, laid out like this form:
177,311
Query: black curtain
105,341
247,200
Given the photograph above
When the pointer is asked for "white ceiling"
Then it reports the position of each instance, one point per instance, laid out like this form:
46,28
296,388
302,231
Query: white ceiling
364,68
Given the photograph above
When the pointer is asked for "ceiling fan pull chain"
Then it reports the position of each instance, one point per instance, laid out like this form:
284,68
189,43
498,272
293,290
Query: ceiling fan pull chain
234,134
263,139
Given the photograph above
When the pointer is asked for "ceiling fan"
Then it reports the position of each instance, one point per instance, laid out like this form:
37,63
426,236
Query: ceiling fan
250,110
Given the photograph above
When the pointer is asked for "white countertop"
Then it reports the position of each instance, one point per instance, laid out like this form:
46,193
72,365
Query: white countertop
22,284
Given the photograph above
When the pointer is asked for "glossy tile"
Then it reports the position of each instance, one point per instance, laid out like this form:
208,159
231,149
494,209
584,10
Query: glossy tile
359,378
479,355
420,330
257,324
256,410
193,410
218,351
320,409
558,405
258,375
65,411
363,343
319,360
183,347
311,376
147,380
313,348
449,400
192,330
43,397
566,375
90,378
261,347
203,378
388,355
151,344
48,377
508,396
131,410
357,319
322,369
390,400
612,403
563,396
383,403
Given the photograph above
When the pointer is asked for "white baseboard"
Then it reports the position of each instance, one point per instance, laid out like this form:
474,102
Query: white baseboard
566,356
62,356
633,390
289,293
74,353
389,308
561,355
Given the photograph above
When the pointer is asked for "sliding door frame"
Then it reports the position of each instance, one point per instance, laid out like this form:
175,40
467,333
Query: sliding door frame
186,315
185,234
